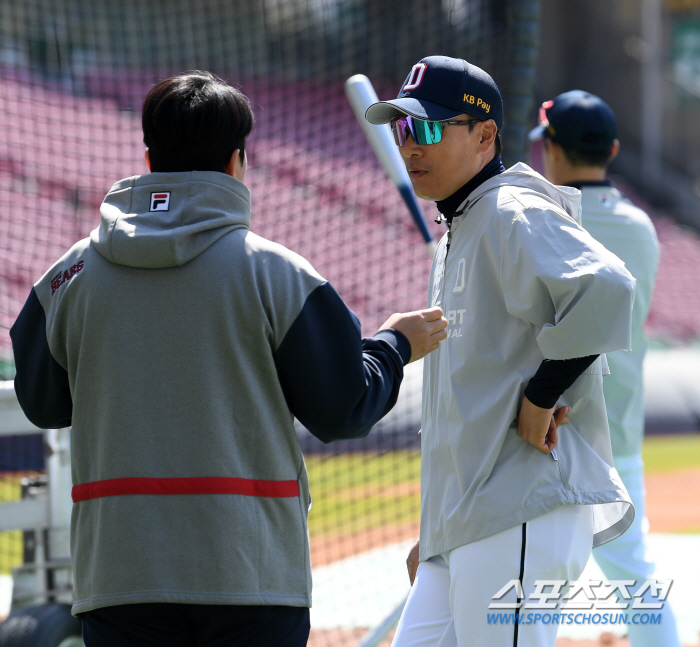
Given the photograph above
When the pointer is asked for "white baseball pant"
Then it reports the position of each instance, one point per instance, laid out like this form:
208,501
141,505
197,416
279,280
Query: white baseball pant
449,603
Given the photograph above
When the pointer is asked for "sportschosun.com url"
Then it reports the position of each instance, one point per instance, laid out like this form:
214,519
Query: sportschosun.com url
574,618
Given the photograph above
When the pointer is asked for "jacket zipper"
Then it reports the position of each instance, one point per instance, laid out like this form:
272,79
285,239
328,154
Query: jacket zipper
449,242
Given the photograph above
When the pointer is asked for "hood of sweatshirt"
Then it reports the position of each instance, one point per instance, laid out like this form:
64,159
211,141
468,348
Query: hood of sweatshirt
521,175
164,220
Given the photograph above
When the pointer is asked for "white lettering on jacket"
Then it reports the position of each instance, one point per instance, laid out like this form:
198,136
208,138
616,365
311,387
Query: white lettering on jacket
455,317
461,281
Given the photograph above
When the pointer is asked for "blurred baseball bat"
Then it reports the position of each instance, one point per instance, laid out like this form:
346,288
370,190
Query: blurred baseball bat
373,637
361,95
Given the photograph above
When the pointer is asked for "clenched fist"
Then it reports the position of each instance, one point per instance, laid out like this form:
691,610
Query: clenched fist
424,329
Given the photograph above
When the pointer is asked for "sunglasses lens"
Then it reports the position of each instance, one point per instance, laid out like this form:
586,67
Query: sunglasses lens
398,127
427,132
422,132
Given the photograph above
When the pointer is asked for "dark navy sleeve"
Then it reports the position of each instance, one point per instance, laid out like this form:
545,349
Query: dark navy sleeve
41,382
337,384
553,377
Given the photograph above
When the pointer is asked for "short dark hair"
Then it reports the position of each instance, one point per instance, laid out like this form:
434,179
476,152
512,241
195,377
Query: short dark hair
577,157
499,141
194,122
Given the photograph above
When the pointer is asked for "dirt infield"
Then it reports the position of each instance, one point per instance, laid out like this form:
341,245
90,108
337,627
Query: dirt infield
342,638
672,501
331,548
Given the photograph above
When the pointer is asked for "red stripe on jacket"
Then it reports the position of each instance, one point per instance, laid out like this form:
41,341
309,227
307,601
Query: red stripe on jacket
197,485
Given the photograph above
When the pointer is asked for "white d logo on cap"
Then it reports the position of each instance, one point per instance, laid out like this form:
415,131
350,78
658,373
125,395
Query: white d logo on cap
415,77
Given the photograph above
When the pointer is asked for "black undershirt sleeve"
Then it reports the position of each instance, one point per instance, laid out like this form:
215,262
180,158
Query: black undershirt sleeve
553,377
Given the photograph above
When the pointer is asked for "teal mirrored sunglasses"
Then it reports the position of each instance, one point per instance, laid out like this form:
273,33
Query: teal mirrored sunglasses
423,132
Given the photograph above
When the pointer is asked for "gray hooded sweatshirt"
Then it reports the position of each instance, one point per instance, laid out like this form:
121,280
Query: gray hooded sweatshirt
180,346
522,282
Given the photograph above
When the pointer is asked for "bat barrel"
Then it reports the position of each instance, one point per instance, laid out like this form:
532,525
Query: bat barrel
361,95
416,213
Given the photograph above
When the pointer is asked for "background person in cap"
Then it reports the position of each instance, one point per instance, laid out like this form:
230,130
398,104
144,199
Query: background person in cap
579,133
180,346
532,301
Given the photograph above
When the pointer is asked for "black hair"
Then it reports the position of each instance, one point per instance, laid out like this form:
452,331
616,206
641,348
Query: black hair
577,157
498,143
194,122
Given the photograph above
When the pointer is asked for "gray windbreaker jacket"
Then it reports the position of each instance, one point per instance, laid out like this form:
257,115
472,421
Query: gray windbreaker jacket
180,346
522,282
629,233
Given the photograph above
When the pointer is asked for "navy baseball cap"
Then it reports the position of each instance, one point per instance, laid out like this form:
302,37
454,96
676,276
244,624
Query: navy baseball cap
578,120
439,88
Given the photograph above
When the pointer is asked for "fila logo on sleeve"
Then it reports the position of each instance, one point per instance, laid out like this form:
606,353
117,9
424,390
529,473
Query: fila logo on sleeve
415,78
160,201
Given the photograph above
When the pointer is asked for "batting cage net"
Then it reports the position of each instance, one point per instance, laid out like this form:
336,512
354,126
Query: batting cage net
73,74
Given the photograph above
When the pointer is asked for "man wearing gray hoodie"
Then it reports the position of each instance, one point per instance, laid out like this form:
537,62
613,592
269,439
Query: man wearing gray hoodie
514,494
180,346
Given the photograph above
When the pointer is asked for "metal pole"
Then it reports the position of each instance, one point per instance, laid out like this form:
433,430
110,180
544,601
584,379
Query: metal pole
523,51
652,91
58,470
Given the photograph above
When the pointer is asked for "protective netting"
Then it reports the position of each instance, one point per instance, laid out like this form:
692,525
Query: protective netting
73,74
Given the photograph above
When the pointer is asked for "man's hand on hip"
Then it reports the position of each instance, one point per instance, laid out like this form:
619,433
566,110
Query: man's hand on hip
412,562
538,426
424,329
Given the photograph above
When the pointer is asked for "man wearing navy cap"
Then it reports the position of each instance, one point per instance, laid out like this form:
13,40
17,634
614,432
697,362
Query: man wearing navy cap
579,133
510,501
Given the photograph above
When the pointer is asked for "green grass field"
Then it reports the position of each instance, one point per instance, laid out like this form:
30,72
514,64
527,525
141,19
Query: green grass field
355,492
670,453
